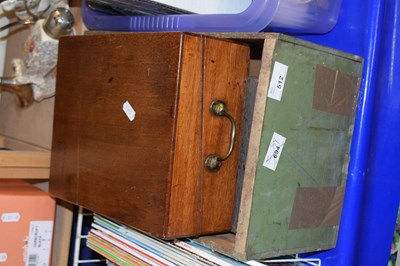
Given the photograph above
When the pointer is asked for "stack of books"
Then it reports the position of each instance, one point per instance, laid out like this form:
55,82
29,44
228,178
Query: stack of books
123,245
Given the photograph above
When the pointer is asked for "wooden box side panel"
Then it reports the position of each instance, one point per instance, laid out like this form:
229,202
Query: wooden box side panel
184,214
121,164
65,142
255,123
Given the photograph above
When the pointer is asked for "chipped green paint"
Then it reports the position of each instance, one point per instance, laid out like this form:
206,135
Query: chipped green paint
315,153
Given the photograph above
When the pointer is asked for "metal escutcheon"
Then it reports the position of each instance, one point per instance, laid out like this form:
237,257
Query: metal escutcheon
214,162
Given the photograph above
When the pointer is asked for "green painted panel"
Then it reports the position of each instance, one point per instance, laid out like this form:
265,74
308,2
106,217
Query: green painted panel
315,153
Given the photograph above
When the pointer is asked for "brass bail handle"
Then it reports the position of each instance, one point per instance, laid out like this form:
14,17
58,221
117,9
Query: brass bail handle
214,162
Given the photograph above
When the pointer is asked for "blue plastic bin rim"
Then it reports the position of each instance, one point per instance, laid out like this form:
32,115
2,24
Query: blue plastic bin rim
255,18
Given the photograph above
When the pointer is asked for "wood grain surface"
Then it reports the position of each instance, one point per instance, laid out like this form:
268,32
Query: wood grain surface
184,214
225,76
121,168
147,173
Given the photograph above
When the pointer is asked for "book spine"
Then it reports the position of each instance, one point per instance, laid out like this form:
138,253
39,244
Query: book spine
202,253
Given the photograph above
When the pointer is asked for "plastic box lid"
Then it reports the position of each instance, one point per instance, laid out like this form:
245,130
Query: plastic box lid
290,16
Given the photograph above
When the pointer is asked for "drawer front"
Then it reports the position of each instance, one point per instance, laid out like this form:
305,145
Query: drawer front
225,76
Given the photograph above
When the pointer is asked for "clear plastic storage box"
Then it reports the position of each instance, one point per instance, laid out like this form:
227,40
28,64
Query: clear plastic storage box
294,16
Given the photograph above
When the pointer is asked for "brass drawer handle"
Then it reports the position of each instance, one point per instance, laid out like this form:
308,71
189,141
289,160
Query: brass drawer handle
214,162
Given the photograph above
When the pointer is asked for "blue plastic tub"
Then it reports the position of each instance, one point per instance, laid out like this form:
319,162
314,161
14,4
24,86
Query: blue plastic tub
296,16
370,29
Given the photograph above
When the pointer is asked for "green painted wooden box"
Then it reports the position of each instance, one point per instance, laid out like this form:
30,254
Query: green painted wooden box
300,116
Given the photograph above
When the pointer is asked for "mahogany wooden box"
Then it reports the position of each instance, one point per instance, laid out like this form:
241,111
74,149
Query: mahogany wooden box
133,128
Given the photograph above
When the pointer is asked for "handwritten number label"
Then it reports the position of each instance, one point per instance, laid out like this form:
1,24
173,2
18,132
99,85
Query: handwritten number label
280,82
277,83
274,151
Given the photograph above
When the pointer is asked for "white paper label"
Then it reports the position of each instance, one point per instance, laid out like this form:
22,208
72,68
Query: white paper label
274,151
277,83
39,243
130,113
10,217
3,257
